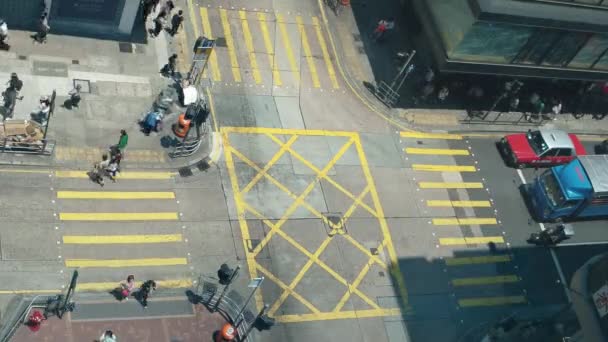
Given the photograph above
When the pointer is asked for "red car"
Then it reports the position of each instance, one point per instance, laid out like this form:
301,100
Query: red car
544,147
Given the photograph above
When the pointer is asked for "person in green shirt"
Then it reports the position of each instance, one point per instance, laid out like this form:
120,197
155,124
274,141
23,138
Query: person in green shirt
124,139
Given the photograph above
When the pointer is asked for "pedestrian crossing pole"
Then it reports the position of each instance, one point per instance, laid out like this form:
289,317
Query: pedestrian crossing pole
202,50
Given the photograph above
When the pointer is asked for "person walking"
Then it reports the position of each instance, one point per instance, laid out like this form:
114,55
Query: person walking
108,336
127,288
144,291
169,68
158,26
123,141
99,169
148,7
176,22
166,9
43,29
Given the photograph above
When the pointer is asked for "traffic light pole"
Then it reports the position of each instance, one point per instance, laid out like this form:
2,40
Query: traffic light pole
232,277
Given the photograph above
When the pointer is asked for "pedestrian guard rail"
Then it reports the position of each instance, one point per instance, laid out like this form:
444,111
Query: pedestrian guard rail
13,145
17,312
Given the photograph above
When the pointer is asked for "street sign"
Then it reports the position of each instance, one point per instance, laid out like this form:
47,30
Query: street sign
255,282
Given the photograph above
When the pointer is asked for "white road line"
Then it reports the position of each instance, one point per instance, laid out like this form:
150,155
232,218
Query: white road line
560,273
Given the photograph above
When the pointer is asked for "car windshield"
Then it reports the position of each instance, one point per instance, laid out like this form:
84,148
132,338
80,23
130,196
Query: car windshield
551,187
535,139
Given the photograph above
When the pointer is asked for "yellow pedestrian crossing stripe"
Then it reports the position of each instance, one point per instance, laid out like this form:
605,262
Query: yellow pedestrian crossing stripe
236,73
215,70
115,195
463,221
478,260
491,301
437,151
422,135
328,63
168,216
249,45
120,239
471,240
108,286
444,168
269,49
114,263
308,53
287,45
477,281
458,204
120,175
450,185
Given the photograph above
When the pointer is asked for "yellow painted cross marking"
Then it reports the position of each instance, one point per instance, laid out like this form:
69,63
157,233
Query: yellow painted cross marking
162,284
287,45
324,316
436,151
269,49
115,195
215,70
422,135
308,53
249,45
283,286
477,260
444,168
230,45
491,301
120,175
463,221
471,240
450,185
86,263
116,239
459,204
117,216
476,281
270,163
326,56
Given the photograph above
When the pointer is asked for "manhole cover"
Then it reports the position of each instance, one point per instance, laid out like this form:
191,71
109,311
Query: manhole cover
125,47
335,225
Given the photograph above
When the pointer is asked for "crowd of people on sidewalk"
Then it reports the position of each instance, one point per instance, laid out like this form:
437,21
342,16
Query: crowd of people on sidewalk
167,10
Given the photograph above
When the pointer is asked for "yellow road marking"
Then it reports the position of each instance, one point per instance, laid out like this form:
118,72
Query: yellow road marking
422,135
287,131
115,195
437,151
117,239
212,110
477,260
236,73
269,49
121,175
308,53
118,216
459,204
323,316
491,301
476,281
13,292
215,69
450,185
113,263
282,285
287,45
354,285
24,171
326,57
270,163
471,240
162,284
463,221
444,168
249,45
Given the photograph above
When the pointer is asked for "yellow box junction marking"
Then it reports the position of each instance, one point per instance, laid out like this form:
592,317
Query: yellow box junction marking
450,185
115,195
491,301
287,45
477,281
250,50
120,239
118,216
114,263
236,73
444,168
459,204
422,135
436,151
478,260
299,200
120,175
308,53
215,70
463,221
276,75
326,56
471,240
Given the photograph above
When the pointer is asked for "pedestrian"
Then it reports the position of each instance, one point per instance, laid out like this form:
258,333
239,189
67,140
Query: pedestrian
382,27
123,141
43,28
108,336
148,6
158,26
144,291
166,9
128,287
176,22
169,68
75,96
99,170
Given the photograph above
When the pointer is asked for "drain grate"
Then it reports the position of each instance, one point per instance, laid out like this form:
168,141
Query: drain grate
125,47
21,57
336,224
221,41
185,172
75,61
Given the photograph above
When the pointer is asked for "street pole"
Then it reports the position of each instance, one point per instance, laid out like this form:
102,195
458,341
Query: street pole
257,282
262,312
234,274
63,307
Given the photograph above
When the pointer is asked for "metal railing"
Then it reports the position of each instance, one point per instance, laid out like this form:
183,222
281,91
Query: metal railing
17,314
13,145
